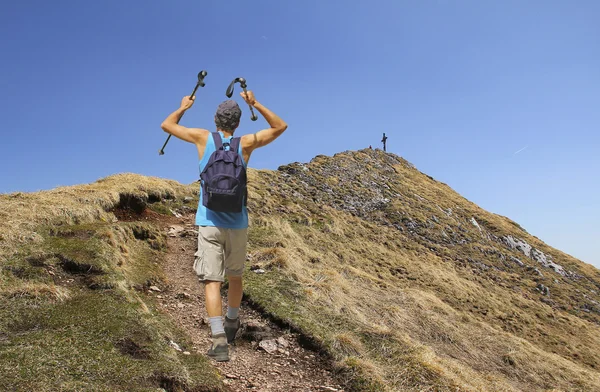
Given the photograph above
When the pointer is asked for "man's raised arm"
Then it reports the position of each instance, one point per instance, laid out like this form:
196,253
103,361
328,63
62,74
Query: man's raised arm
171,124
265,136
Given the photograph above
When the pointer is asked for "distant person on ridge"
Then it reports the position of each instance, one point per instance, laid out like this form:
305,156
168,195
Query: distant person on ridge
222,236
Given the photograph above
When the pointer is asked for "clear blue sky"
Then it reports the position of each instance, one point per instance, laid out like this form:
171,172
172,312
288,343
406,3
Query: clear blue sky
497,99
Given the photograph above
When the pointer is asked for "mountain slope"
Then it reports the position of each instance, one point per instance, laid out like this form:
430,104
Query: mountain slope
415,287
402,282
74,313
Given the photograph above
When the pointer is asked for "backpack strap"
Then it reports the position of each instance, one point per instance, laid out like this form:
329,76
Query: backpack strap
234,145
217,139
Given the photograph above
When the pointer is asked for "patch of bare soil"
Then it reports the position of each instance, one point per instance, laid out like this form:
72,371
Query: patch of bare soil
126,214
264,357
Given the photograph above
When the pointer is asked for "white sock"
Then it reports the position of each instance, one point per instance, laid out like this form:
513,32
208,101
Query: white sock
216,325
232,313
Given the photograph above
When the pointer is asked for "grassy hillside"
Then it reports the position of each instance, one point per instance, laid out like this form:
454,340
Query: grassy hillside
404,283
73,313
416,288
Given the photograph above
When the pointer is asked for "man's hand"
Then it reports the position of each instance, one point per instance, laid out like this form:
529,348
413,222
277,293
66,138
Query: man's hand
187,102
249,97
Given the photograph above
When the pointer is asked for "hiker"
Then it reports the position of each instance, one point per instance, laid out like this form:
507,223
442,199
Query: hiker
222,236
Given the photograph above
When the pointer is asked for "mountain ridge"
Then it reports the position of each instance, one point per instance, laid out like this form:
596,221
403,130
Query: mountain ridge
513,243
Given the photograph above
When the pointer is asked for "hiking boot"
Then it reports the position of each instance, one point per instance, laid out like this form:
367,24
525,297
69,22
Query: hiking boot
231,328
219,350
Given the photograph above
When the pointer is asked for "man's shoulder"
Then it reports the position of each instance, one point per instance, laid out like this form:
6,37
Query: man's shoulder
248,140
203,135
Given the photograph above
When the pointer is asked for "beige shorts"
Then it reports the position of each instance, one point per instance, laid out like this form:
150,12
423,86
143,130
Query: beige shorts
221,252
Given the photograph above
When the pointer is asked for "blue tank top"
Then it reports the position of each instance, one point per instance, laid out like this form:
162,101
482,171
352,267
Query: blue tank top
206,217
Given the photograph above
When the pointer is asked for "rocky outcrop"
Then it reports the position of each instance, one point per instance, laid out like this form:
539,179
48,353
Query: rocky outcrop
369,189
535,254
517,261
547,262
517,244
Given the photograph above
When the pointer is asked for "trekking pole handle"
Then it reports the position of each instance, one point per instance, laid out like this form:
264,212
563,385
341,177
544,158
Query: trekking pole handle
200,83
242,81
229,91
201,75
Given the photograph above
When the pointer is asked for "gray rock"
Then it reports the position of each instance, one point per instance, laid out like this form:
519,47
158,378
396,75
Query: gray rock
175,213
535,254
535,270
270,346
517,261
573,275
590,308
546,261
479,264
420,197
543,289
187,199
175,230
282,342
175,345
474,222
517,244
183,295
412,225
188,233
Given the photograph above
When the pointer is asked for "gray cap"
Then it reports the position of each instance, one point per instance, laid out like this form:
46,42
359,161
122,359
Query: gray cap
228,115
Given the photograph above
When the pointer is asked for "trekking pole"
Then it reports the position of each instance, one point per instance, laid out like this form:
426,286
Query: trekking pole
243,85
201,76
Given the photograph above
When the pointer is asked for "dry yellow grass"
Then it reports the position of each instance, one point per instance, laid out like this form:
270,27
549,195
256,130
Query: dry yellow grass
408,316
452,343
37,290
22,213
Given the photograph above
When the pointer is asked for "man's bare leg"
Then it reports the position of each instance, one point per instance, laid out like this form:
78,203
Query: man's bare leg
235,291
214,304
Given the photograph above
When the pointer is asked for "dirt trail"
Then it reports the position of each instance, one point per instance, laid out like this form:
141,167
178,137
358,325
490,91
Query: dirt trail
290,367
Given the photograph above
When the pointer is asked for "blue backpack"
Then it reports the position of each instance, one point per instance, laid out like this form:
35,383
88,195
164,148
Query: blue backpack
224,178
